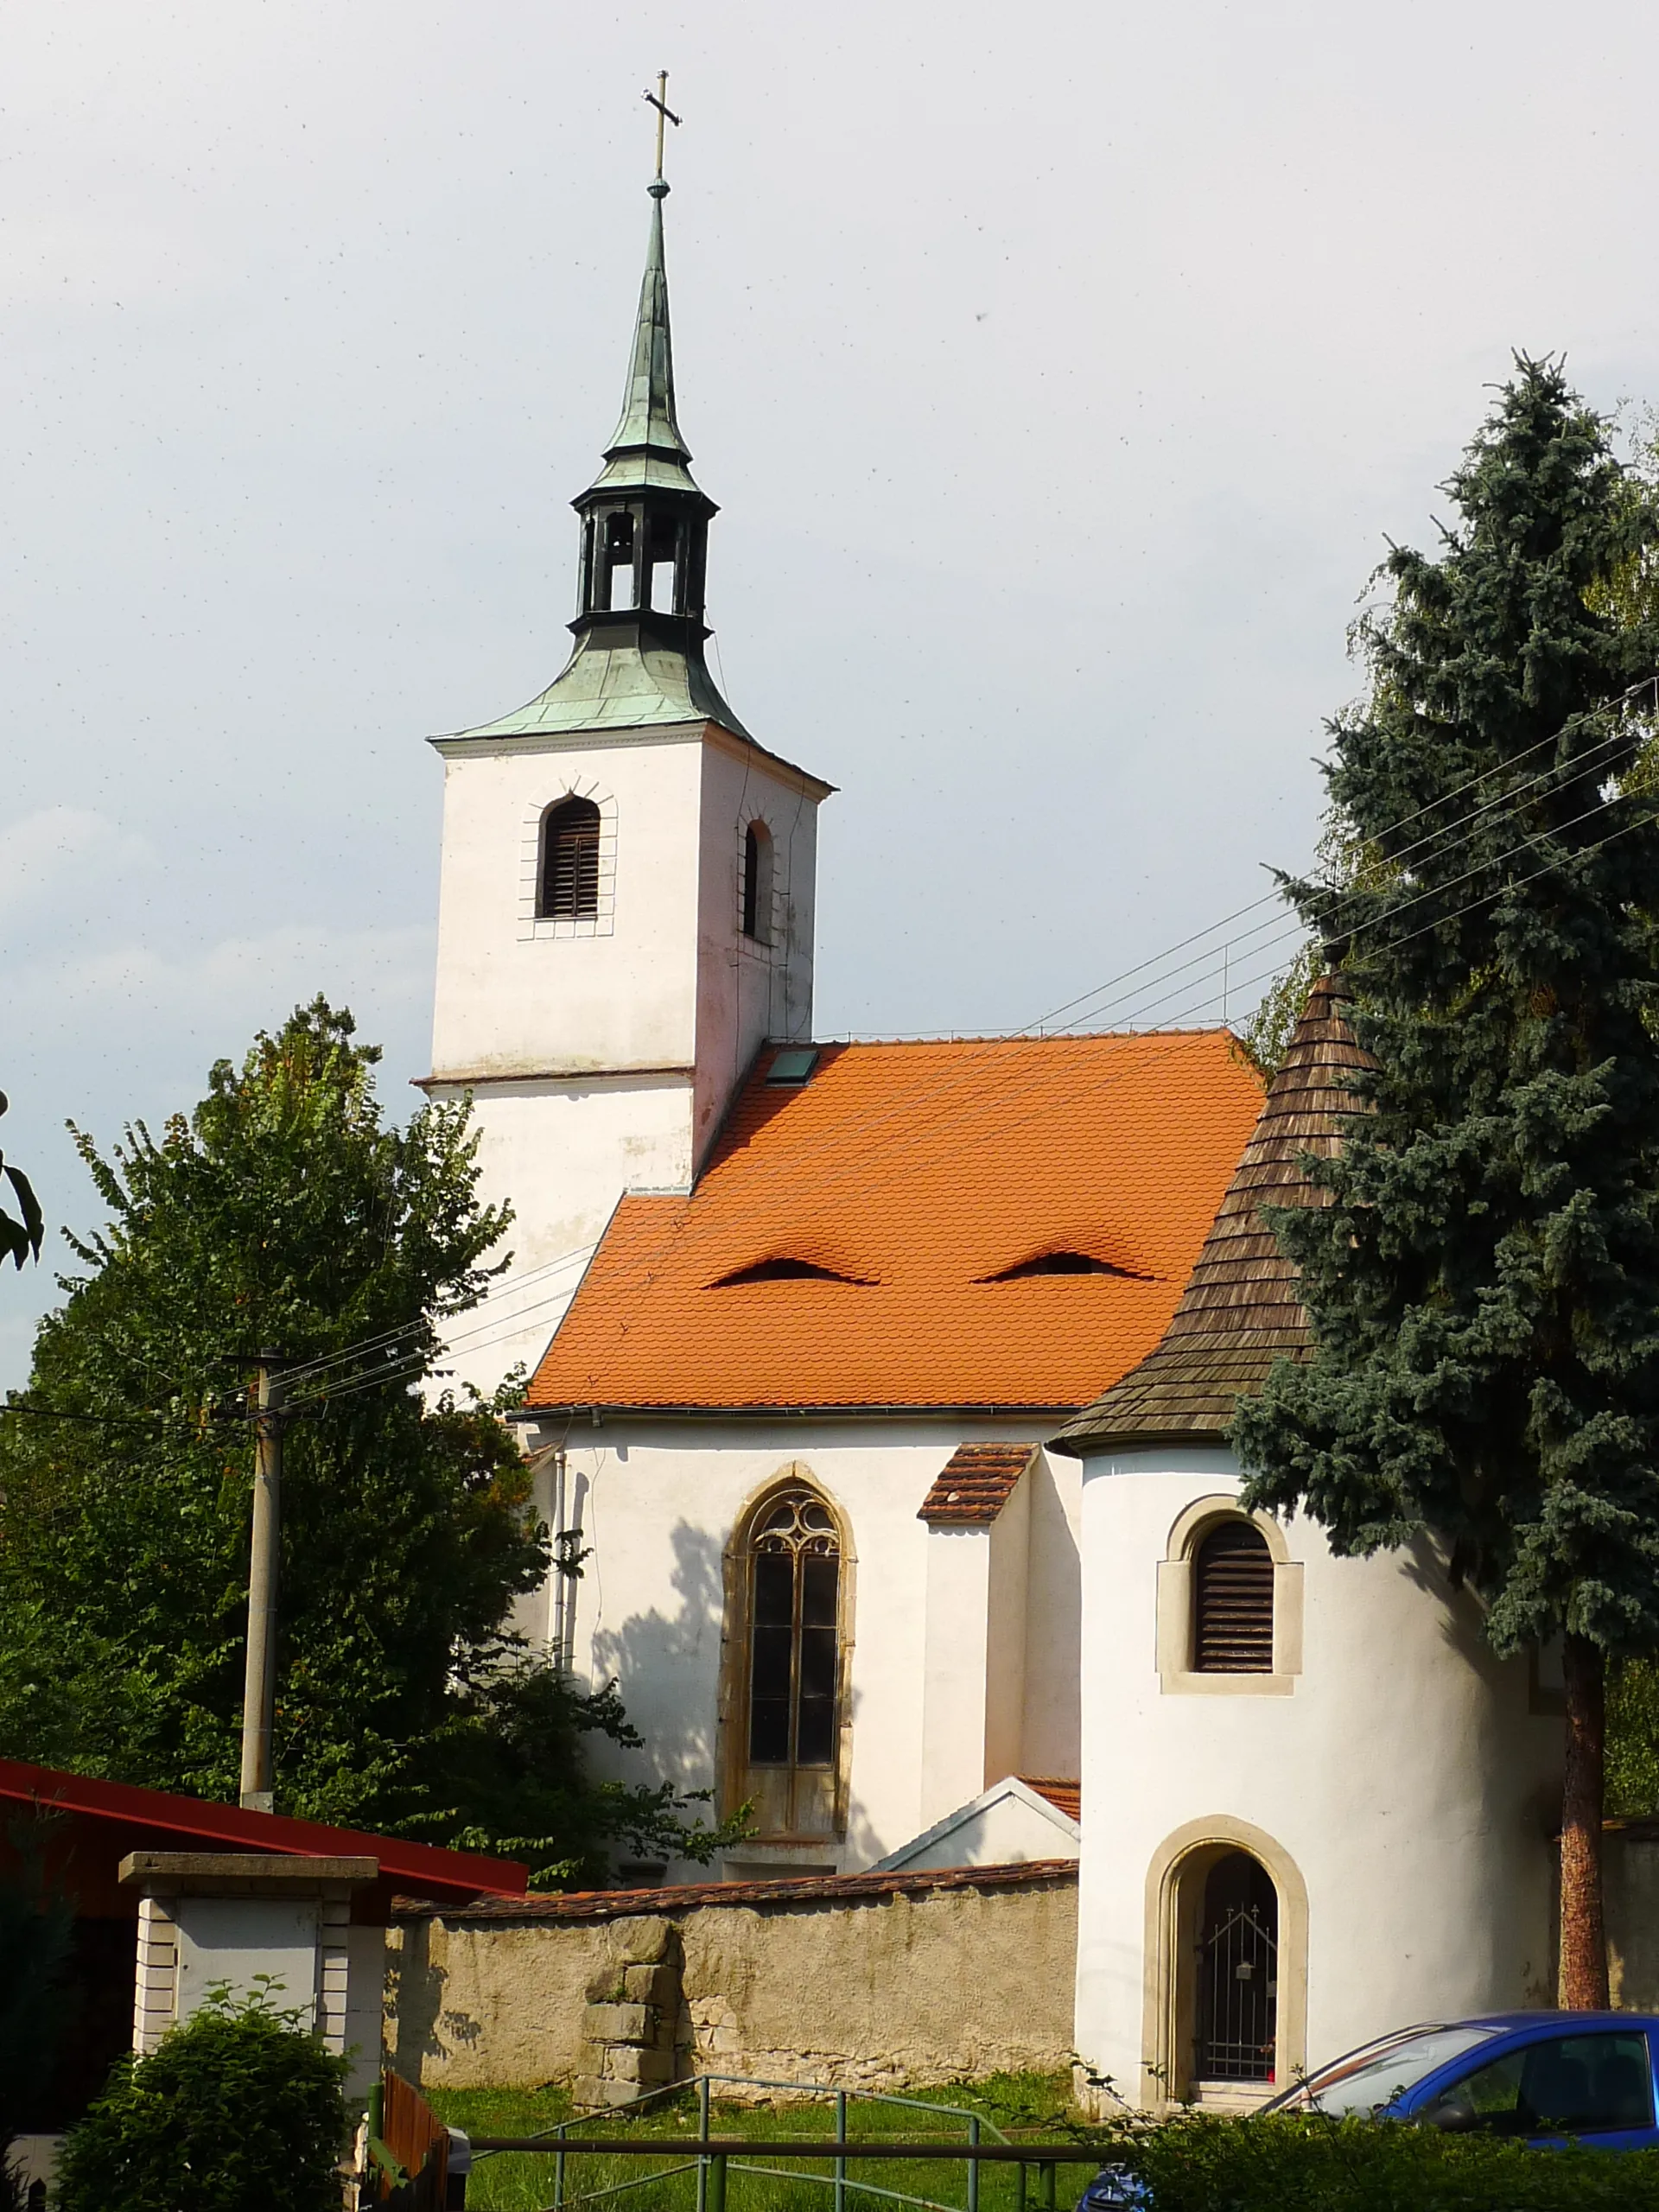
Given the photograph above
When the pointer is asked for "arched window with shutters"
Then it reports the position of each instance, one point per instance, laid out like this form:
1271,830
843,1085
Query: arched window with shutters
1232,1602
787,1651
568,881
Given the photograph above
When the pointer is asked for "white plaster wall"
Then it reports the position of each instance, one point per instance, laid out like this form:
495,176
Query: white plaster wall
747,991
604,1060
365,2007
1049,1743
956,1659
658,1501
513,1000
1405,1777
1006,1637
562,1152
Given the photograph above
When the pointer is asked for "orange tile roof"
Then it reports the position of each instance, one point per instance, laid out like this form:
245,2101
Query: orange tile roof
976,1482
913,1173
1065,1796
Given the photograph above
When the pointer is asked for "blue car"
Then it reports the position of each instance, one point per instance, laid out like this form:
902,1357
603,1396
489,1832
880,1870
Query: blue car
1540,2077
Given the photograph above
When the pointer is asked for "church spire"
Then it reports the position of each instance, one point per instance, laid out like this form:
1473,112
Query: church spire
640,627
647,430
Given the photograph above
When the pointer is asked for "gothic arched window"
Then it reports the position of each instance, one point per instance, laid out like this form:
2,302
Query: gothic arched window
568,886
1232,1601
757,883
788,1657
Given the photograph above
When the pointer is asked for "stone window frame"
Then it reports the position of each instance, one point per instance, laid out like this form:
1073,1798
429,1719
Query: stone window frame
732,1716
601,921
1173,1893
1176,1621
762,948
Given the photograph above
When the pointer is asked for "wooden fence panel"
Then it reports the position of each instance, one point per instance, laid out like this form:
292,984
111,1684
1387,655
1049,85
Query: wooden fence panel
418,2141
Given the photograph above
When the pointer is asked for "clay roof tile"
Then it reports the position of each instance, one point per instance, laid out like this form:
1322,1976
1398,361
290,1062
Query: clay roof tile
867,1210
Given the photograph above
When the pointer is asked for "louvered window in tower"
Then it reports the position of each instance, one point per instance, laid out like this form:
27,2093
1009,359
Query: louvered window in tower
1232,1593
568,888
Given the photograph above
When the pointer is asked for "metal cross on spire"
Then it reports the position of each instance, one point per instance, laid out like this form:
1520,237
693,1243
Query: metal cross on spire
659,100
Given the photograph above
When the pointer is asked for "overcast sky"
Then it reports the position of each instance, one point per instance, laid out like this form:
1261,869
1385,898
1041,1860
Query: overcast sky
1060,371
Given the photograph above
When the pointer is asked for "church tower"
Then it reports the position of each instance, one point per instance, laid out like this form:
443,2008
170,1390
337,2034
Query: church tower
625,906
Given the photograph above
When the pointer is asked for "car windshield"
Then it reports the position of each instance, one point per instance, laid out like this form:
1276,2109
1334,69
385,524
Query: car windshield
1367,2080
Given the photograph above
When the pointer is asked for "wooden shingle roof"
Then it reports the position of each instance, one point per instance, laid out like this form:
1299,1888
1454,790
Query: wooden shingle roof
1240,1311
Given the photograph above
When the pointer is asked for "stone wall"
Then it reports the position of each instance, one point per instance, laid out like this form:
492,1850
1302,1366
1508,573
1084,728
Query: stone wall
1630,1878
866,1980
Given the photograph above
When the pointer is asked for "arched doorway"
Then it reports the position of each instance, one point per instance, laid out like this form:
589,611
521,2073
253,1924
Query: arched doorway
1235,1996
1223,1894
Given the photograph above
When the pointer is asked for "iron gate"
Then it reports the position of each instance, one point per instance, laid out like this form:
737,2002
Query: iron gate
1238,1997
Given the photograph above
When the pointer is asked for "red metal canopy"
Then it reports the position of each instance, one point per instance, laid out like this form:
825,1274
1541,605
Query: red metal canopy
104,1820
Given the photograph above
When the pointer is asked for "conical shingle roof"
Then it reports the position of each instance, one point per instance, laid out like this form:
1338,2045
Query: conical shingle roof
1240,1311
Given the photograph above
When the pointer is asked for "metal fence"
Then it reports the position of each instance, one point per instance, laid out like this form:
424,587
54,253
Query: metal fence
713,2158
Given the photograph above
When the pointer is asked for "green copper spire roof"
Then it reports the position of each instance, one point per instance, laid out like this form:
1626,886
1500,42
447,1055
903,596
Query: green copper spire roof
646,448
638,658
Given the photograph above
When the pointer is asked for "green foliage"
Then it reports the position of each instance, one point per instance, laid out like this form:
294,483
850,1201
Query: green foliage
1484,1287
238,2110
512,1750
1633,1737
20,1233
1266,1036
285,1212
1192,2164
1274,2163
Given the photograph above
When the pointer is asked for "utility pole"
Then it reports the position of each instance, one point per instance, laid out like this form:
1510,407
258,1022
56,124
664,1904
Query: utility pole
260,1689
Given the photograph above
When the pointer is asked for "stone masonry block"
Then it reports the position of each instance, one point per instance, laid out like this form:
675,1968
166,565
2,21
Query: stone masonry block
646,1942
618,2023
589,2092
658,1985
624,2062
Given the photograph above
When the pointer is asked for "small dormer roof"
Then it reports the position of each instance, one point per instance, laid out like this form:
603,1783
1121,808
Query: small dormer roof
1240,1311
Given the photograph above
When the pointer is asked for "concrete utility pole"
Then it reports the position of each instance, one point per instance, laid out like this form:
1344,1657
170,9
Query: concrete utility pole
259,1688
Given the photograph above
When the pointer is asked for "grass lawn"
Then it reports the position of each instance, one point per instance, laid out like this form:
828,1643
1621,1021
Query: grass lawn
1033,2105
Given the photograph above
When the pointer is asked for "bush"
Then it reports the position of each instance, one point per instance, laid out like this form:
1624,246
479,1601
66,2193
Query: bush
1274,2163
238,2110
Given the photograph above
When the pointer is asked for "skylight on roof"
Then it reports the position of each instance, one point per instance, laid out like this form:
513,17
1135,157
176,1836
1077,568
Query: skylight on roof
793,1065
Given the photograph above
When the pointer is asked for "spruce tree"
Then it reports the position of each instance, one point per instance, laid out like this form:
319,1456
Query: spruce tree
1484,1285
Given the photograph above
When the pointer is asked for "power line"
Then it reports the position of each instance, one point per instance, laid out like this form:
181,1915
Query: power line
494,1326
1002,1128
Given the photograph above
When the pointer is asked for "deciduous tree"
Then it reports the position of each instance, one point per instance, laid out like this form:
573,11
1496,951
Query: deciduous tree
285,1212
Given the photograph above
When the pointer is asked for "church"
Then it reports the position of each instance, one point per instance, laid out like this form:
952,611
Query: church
881,1389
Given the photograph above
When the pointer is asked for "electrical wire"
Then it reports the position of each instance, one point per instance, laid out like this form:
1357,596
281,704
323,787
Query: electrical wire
494,1327
484,1338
